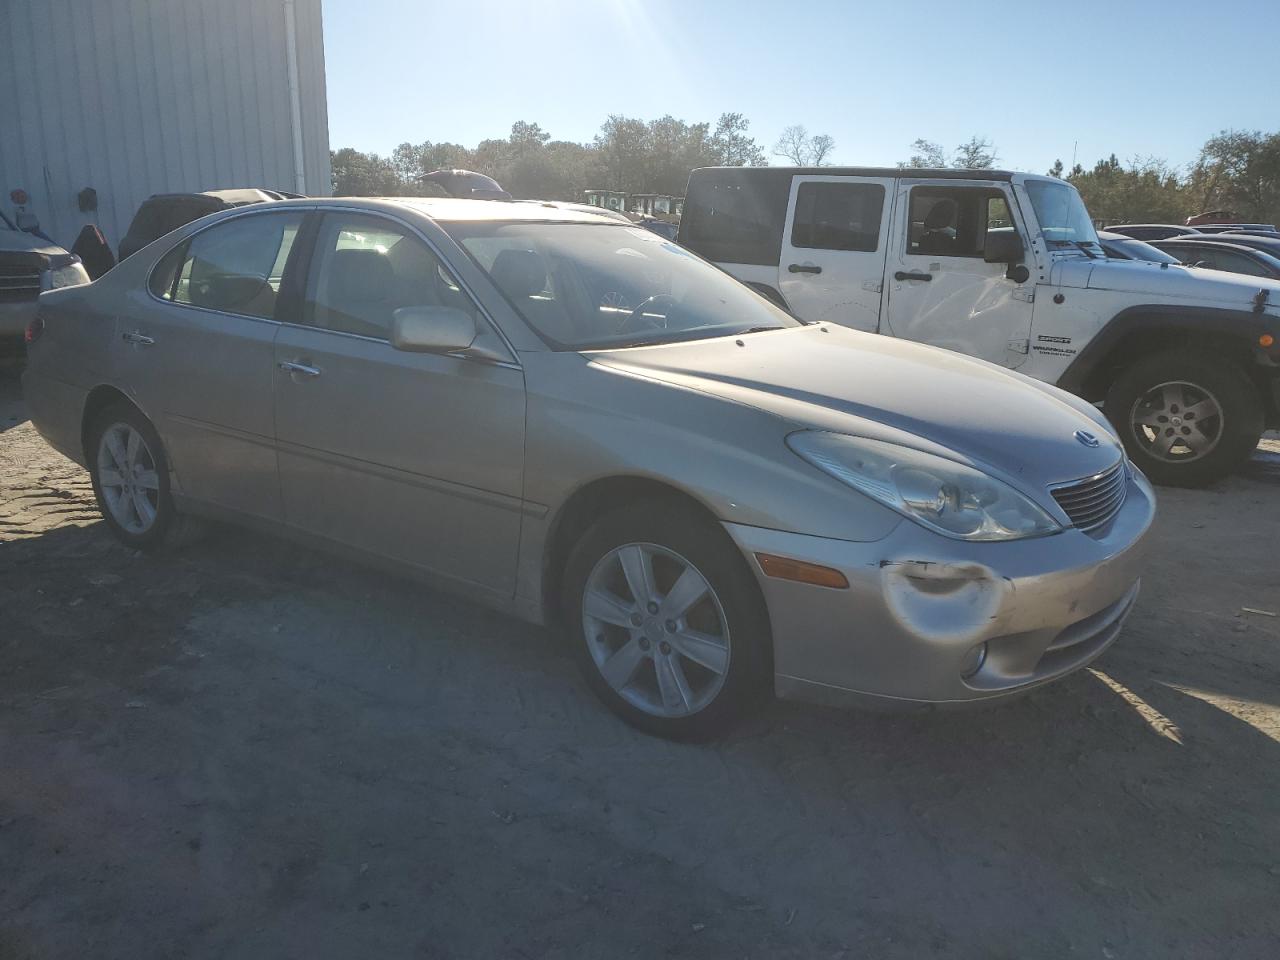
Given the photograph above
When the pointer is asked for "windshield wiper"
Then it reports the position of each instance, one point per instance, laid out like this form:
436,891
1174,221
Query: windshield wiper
1086,246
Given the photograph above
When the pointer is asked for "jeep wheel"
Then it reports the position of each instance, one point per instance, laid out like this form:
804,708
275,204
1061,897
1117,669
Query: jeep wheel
1186,420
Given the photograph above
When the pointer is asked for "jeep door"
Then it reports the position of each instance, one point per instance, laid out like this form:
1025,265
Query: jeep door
941,291
833,250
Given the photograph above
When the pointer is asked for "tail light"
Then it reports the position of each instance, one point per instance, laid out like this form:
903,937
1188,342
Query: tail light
34,329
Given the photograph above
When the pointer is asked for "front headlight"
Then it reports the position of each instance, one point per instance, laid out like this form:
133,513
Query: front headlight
947,497
68,272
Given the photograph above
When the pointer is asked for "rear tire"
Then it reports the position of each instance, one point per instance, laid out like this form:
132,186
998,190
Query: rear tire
130,475
684,671
1185,419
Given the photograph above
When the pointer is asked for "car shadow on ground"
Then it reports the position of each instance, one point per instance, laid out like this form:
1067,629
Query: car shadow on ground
251,744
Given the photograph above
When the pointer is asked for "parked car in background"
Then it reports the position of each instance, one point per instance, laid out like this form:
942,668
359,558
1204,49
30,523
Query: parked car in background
1119,247
668,229
1258,241
581,423
30,264
1265,229
1007,267
1214,255
165,212
1151,231
465,184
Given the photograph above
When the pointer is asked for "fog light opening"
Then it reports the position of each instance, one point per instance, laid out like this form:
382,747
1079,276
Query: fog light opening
973,660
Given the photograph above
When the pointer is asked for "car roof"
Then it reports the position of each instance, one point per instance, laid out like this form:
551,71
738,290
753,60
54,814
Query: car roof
1169,226
920,172
454,209
1203,242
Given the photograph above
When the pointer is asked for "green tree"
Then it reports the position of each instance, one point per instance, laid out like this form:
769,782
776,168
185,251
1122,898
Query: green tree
1238,170
732,146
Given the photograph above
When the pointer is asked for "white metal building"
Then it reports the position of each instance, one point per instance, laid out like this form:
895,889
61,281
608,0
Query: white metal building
135,97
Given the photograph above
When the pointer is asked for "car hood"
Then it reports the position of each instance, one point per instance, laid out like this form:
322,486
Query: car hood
1176,282
18,241
832,378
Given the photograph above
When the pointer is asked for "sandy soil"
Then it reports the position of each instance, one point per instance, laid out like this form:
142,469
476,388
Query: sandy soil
247,749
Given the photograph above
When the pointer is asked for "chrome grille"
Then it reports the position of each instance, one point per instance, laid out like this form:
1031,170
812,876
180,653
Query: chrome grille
19,283
1093,501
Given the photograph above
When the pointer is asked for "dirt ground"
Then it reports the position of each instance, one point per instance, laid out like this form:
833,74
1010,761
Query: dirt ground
248,749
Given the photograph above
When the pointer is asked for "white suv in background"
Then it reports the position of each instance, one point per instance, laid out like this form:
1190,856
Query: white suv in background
1007,267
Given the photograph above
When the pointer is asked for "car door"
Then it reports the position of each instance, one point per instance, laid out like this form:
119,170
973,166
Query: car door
941,291
833,251
195,349
414,457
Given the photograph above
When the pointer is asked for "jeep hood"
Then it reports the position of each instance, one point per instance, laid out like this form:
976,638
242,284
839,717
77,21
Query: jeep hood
1183,284
831,378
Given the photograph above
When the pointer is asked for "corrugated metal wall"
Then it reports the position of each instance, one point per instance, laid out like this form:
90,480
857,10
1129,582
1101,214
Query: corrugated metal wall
135,97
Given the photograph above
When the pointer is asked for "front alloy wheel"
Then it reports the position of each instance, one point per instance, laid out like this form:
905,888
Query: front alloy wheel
656,630
1176,422
667,621
1186,418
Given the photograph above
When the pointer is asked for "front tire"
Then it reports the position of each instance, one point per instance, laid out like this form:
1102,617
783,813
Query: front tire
666,621
1185,419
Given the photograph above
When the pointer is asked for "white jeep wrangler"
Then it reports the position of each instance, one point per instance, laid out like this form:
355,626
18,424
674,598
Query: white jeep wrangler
1007,267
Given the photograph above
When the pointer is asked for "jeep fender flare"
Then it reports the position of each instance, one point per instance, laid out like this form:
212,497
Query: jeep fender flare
1168,325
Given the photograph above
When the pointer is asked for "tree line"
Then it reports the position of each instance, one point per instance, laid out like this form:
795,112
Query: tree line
1238,171
628,154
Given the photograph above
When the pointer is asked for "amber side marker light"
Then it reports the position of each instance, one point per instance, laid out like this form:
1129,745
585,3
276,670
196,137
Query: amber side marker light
1266,340
784,568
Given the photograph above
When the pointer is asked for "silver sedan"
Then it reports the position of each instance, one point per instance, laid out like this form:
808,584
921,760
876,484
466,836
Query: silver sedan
582,423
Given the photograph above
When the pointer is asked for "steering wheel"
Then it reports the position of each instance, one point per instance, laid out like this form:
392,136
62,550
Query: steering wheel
637,315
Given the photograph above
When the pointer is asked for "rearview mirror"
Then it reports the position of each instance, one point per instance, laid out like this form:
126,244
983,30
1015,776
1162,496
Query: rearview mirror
432,329
1003,246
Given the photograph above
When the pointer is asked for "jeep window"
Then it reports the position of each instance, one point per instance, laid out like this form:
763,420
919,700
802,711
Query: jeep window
953,221
736,216
1063,219
838,216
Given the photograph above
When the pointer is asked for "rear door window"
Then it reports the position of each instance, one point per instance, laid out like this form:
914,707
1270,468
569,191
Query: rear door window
234,267
838,216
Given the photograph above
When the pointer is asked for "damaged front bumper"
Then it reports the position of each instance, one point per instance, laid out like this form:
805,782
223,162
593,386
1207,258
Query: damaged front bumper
922,611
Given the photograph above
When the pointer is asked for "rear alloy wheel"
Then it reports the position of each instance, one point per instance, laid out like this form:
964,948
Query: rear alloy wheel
1185,420
131,477
667,621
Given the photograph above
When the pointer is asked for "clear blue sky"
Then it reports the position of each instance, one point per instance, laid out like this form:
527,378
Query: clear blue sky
1033,76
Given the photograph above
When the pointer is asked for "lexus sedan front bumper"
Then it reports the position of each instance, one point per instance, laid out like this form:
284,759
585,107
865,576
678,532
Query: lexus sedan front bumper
930,620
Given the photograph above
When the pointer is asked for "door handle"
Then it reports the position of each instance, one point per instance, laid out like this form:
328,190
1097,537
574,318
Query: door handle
912,275
803,268
291,366
138,338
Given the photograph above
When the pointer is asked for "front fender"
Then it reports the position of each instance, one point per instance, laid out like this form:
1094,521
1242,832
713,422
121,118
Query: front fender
1160,326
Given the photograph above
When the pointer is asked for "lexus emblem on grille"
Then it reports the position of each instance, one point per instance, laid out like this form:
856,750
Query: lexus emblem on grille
1088,439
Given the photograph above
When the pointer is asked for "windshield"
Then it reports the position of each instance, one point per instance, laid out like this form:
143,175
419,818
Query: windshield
1061,214
584,286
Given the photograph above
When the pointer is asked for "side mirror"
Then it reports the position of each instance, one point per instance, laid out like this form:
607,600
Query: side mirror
432,329
1005,246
